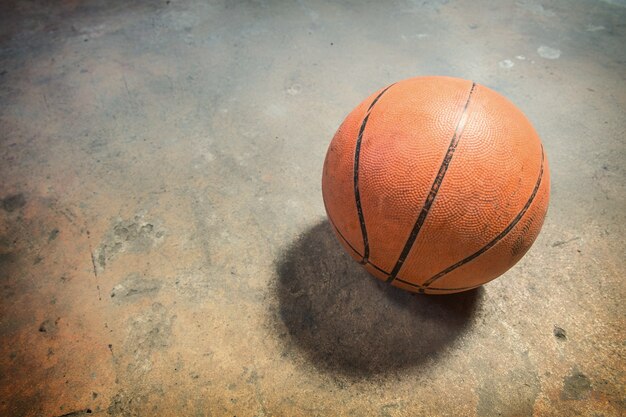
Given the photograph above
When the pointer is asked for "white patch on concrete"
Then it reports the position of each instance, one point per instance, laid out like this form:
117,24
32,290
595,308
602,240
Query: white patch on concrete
621,3
520,57
418,36
506,64
536,8
209,157
243,158
92,32
548,53
294,89
312,14
594,28
180,20
276,110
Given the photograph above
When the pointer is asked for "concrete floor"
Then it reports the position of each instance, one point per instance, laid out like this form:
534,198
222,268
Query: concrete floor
163,243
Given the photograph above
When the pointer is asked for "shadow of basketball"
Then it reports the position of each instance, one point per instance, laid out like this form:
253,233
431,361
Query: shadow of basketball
347,322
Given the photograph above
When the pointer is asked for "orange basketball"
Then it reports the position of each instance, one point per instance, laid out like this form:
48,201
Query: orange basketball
436,184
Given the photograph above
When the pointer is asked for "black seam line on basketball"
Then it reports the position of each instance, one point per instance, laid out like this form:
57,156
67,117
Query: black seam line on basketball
433,189
387,273
421,287
357,194
380,269
332,223
356,251
353,248
497,238
343,237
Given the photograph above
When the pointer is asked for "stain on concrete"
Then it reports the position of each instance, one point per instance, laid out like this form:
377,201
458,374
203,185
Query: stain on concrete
5,242
134,236
196,286
559,333
594,28
506,64
54,233
576,386
13,202
559,243
535,7
548,52
135,404
391,410
77,413
120,406
148,332
5,259
508,394
50,326
133,287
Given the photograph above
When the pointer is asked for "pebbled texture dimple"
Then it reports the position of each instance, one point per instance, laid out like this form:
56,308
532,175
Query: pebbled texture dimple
408,135
489,180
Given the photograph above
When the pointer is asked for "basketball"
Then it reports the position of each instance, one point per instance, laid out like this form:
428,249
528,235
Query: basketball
436,184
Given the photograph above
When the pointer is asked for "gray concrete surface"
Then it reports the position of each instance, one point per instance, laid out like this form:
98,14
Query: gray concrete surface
163,244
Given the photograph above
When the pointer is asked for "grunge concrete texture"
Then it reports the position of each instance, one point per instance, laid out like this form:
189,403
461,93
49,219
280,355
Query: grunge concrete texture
163,243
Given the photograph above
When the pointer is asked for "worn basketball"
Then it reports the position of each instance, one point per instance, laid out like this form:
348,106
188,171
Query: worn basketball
436,184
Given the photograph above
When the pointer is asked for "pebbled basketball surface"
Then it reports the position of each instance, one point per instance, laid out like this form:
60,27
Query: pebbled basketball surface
436,184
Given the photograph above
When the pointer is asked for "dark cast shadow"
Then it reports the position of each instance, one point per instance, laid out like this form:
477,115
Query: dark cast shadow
348,323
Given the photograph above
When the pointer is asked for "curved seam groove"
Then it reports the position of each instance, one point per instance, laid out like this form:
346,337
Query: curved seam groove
387,273
434,189
422,288
500,236
357,194
354,249
378,268
344,238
